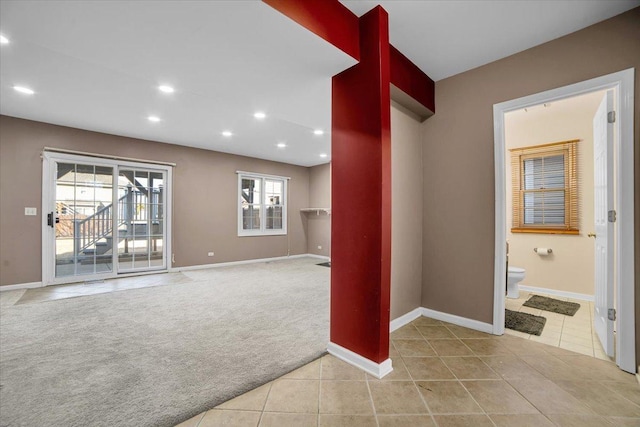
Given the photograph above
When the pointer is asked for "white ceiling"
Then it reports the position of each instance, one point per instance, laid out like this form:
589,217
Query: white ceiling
445,37
584,105
96,65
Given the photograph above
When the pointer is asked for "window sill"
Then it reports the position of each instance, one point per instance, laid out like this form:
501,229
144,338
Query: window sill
545,231
260,234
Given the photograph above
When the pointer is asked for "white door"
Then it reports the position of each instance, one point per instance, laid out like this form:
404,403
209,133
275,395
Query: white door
603,201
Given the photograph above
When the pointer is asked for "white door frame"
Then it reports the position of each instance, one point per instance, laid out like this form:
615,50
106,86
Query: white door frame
48,195
623,83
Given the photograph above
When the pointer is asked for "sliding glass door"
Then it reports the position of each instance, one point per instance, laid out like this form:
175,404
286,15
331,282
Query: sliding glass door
103,218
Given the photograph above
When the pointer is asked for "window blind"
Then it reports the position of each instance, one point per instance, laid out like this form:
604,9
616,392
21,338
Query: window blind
545,188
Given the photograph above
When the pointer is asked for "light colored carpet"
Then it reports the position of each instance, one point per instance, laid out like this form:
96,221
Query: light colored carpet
160,355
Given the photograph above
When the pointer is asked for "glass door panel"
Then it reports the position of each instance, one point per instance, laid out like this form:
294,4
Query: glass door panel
141,224
156,207
84,213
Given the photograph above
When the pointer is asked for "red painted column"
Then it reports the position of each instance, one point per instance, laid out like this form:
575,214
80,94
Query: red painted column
361,196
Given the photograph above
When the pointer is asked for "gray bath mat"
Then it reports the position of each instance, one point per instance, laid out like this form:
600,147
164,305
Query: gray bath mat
553,305
524,322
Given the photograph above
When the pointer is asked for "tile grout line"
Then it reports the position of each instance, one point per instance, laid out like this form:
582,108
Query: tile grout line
424,401
414,381
476,402
201,418
373,405
527,400
455,377
616,391
264,405
465,388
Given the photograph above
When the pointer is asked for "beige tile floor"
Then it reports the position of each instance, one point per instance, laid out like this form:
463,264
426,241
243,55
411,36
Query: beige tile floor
444,375
573,333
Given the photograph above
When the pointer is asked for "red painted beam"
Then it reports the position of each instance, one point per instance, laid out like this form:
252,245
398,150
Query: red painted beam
329,19
332,21
361,196
411,80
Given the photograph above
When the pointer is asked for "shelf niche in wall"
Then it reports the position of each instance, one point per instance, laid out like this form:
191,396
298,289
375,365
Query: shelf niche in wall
318,211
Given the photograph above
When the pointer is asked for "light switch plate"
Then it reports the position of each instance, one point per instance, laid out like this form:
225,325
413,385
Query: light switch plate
31,211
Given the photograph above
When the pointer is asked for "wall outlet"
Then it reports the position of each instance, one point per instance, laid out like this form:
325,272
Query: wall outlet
210,254
320,247
31,211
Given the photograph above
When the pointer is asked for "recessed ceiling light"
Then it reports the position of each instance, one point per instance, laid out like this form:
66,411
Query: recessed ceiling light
227,133
318,132
259,115
323,155
3,39
166,89
281,145
154,119
23,89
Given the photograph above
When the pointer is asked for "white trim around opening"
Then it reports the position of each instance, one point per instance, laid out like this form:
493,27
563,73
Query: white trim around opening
623,83
50,156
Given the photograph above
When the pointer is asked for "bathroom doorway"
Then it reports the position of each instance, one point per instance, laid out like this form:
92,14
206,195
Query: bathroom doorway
548,238
550,234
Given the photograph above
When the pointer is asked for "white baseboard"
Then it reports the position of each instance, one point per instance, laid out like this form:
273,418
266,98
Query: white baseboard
564,294
246,261
29,285
378,370
405,319
457,320
326,258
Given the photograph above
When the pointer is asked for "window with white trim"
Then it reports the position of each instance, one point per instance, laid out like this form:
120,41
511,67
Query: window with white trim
262,205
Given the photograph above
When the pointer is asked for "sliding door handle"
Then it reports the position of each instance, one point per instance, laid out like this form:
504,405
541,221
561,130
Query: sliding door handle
50,220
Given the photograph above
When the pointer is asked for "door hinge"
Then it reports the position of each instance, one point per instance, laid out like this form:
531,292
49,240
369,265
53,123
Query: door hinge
612,216
611,314
611,117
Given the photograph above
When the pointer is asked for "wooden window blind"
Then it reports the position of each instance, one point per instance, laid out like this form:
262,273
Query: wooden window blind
545,188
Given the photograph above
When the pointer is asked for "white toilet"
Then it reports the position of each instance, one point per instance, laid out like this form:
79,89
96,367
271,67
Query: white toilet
515,275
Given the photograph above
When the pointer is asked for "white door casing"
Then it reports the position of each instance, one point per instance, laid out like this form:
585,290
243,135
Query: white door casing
622,82
51,158
603,203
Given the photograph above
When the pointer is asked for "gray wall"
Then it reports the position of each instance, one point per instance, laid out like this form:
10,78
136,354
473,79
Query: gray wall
406,213
319,225
458,244
204,197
